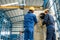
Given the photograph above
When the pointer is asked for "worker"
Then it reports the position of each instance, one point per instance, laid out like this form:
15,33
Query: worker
49,21
29,21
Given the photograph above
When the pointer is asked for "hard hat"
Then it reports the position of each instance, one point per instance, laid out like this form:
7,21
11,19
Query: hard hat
32,8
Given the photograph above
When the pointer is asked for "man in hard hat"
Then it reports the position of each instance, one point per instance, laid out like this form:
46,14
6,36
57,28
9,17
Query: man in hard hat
49,21
29,21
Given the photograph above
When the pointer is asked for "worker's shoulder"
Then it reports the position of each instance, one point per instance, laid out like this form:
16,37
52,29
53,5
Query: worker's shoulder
30,14
49,14
33,14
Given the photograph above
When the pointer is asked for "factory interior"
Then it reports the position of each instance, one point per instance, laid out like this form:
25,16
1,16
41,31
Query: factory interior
12,18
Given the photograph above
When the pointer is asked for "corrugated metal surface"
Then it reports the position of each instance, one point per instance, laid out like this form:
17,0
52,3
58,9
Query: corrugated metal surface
7,1
34,2
16,16
17,12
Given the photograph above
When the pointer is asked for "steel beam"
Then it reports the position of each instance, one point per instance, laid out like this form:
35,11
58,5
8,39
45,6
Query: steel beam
17,7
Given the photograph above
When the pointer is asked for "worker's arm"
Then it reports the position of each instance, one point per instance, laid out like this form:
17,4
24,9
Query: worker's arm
45,21
35,20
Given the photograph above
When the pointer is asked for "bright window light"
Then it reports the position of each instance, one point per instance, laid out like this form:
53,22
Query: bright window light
5,20
5,33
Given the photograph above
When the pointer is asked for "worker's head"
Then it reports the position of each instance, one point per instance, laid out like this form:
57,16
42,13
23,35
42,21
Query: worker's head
31,9
46,11
42,15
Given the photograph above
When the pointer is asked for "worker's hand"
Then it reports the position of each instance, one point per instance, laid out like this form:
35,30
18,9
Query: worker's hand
21,32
